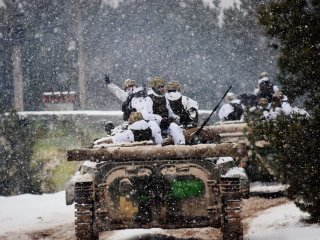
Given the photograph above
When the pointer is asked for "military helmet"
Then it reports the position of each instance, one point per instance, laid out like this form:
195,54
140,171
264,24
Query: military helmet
128,83
135,117
263,102
173,86
263,75
277,95
156,82
229,97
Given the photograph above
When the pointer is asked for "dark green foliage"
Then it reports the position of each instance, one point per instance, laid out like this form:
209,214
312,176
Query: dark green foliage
17,137
295,27
295,149
6,88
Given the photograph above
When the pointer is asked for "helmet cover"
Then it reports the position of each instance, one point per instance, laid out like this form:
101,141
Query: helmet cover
156,82
173,86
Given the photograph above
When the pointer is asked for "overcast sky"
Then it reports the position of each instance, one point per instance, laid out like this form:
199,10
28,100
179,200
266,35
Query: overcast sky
224,3
228,3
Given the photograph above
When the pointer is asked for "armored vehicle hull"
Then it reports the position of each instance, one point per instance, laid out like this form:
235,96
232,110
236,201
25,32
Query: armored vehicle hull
154,186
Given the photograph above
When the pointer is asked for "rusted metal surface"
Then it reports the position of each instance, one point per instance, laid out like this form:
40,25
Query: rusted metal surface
214,132
84,212
156,152
232,228
229,127
132,186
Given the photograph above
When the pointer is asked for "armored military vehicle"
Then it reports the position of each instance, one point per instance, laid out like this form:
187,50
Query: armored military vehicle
138,185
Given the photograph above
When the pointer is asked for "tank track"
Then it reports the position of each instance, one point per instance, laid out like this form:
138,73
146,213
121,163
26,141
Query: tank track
84,211
231,224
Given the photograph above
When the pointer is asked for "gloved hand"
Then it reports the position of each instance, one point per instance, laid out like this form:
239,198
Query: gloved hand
107,79
193,113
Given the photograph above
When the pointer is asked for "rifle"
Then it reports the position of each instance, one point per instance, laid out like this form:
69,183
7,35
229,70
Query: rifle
195,136
144,86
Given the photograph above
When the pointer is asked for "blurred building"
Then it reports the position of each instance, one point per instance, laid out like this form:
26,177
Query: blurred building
59,101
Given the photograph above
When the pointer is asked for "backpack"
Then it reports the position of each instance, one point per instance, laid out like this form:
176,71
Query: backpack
178,108
237,112
248,99
266,90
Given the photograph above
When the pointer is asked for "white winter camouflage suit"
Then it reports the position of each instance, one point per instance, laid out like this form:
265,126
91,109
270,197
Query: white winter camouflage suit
226,109
128,136
187,102
144,105
174,131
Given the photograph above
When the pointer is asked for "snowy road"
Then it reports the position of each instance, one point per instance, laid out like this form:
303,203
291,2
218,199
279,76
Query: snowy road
27,211
27,216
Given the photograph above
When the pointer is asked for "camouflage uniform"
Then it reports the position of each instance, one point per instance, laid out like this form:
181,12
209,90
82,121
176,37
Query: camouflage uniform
138,130
232,109
158,109
184,107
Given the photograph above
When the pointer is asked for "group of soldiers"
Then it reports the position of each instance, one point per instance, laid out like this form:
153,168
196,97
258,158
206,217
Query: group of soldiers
265,103
159,110
149,113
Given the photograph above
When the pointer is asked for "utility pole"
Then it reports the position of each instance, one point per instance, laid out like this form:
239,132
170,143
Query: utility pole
81,57
17,37
18,103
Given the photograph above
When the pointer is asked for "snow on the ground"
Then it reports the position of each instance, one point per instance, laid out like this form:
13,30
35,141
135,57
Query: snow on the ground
267,187
34,212
37,212
282,223
134,233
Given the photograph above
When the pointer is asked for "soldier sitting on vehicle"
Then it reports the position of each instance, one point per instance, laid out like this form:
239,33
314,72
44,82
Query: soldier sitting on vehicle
265,88
279,105
138,130
121,93
232,110
261,111
248,100
158,109
131,95
184,107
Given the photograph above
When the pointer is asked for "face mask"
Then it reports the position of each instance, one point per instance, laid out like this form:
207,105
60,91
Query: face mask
159,91
129,89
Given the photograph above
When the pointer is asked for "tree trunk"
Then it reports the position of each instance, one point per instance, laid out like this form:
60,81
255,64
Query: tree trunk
17,78
81,58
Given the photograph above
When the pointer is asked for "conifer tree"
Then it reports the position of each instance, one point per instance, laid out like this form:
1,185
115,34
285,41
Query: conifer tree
294,145
18,175
294,25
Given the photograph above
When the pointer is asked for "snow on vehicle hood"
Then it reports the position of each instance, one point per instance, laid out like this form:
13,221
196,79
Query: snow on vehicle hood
270,187
236,171
89,164
223,160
